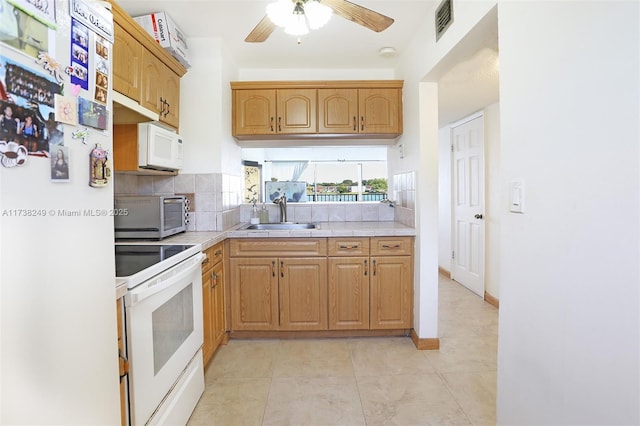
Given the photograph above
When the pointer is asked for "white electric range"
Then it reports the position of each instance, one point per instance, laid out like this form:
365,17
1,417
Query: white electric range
163,320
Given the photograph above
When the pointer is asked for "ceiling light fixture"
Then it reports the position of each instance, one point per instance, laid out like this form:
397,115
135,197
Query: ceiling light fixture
298,16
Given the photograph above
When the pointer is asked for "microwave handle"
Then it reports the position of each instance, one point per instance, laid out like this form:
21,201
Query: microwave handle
136,296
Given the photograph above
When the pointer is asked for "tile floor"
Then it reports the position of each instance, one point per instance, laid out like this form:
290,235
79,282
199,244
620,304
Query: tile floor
361,381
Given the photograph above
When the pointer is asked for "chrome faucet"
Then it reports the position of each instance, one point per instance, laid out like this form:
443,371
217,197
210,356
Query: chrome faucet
282,202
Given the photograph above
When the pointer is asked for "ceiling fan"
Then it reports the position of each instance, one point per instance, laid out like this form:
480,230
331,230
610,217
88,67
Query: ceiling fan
360,15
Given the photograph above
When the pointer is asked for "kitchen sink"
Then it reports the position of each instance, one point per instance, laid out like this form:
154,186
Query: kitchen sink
284,226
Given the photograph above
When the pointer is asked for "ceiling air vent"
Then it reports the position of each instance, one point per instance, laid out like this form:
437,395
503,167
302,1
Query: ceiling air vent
444,18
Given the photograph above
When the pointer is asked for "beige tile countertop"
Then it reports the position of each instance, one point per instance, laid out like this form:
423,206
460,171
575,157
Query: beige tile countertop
324,229
331,229
121,288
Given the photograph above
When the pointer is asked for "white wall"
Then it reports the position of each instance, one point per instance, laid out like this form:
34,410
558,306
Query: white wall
494,202
205,112
569,306
425,61
444,198
277,74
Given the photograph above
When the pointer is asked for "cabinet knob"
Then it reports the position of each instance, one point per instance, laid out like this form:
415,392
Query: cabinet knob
272,124
362,122
478,216
355,123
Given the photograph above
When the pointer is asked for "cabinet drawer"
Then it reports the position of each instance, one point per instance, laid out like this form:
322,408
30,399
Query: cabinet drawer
348,246
213,255
274,247
391,246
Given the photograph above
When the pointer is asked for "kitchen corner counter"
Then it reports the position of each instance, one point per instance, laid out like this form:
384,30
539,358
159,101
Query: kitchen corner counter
325,229
206,239
331,229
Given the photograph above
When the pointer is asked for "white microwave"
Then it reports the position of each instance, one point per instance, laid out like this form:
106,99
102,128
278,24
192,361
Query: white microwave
158,148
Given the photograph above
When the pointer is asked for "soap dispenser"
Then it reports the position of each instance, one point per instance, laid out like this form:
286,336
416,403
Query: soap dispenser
264,214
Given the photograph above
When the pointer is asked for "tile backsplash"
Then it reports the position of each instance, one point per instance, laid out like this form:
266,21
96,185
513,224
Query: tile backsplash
326,212
215,197
216,201
404,194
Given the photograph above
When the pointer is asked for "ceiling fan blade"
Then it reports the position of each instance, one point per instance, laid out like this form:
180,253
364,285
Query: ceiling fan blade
261,32
360,15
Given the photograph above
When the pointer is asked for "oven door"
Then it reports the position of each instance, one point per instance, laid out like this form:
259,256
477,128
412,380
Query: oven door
164,331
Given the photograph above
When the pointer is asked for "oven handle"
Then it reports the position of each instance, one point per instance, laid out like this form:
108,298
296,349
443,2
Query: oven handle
137,295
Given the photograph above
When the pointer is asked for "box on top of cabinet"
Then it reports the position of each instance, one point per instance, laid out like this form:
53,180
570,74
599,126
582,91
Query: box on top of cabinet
167,34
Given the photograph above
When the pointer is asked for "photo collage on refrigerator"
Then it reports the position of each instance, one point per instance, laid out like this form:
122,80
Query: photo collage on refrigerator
46,92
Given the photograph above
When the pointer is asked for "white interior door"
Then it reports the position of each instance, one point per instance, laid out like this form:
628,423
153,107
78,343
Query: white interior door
468,204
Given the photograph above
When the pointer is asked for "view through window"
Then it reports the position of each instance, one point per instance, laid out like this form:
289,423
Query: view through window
341,181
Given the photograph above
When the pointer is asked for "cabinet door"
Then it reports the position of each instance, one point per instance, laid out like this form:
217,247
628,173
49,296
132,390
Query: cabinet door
296,111
207,347
380,110
127,64
303,293
338,111
391,292
152,73
170,98
254,112
348,293
217,305
254,294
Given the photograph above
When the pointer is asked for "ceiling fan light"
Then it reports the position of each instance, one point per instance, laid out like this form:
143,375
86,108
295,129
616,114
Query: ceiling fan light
280,12
297,26
317,14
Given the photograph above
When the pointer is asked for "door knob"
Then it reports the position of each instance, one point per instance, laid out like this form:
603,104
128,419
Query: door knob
478,216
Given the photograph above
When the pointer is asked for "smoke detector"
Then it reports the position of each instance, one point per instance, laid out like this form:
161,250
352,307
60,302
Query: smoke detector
387,52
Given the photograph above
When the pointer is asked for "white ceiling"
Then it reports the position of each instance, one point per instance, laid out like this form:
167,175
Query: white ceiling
340,44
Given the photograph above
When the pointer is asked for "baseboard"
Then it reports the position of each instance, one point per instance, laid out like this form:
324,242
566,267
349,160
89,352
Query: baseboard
285,334
444,272
425,344
491,300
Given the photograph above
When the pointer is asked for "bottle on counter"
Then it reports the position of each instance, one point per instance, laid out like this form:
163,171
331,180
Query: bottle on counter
255,219
264,214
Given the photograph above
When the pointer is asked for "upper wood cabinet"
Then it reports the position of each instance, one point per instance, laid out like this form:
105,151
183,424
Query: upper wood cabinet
360,111
144,72
317,109
160,89
127,64
270,112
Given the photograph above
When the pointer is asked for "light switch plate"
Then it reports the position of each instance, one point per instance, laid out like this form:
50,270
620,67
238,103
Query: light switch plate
516,196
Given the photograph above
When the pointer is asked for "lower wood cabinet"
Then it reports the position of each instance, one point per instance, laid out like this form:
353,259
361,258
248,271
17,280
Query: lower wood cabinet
334,284
213,312
391,286
278,293
349,293
254,294
302,288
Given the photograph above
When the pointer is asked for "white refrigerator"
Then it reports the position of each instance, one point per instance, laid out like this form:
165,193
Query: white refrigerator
58,353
